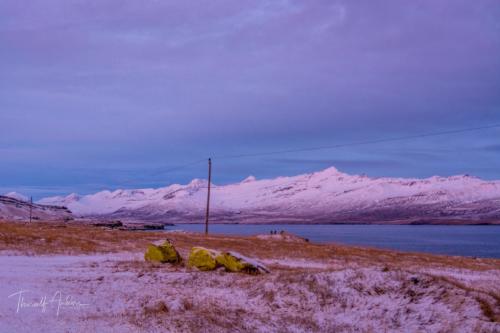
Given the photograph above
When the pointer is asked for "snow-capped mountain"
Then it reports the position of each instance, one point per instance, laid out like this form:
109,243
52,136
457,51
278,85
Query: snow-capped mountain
328,196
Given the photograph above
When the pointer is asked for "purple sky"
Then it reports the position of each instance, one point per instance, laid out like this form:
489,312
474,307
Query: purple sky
106,94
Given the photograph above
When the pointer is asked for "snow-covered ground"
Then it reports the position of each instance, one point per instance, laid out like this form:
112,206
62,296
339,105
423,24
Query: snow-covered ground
69,277
122,293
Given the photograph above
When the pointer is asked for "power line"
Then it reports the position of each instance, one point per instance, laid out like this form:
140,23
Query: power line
359,143
341,145
160,171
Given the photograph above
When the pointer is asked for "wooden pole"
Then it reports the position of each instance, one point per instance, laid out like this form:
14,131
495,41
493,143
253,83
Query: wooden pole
31,207
208,195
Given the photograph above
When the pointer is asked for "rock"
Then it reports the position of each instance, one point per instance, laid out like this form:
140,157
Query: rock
109,224
235,262
153,227
153,253
143,227
203,259
165,252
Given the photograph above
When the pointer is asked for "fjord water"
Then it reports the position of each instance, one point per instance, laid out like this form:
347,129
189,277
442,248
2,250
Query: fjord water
474,241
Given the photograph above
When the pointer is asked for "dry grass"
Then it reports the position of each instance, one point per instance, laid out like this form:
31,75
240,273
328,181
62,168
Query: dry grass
489,301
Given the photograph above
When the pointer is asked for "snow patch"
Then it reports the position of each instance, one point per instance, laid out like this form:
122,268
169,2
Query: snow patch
17,196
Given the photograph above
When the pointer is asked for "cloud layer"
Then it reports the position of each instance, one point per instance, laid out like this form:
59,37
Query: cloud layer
103,93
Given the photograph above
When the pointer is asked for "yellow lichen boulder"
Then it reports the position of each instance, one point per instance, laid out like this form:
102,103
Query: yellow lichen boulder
165,252
235,262
203,259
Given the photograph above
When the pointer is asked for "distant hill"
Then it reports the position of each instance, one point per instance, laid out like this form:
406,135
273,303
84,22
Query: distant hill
16,209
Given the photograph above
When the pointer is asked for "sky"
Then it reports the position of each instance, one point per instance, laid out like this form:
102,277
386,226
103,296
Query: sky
106,94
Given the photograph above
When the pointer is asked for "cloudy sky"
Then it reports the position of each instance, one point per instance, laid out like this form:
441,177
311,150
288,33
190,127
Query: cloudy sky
104,94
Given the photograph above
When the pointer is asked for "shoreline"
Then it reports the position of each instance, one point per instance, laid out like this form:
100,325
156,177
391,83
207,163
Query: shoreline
388,238
412,223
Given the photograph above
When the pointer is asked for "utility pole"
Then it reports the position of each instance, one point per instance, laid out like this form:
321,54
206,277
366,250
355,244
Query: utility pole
31,207
208,194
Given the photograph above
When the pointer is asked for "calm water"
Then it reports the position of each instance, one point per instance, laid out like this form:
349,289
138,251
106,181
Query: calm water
476,241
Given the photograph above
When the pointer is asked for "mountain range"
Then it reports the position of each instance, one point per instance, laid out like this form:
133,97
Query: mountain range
327,196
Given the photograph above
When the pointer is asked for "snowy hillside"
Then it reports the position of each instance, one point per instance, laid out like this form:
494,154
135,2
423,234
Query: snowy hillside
14,206
328,196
